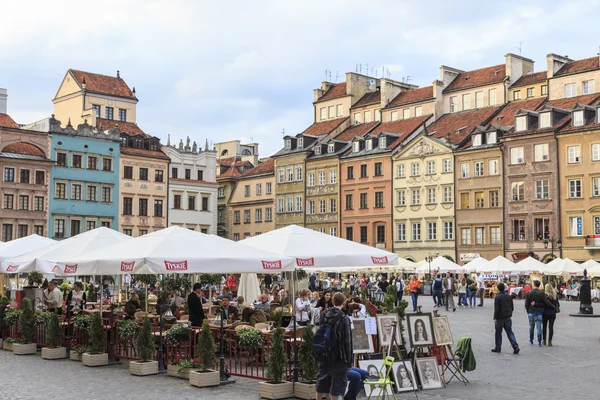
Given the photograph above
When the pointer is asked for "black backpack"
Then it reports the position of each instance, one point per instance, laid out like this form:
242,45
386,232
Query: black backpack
326,346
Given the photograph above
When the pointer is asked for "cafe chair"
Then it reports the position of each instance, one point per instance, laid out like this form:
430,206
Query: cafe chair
140,315
384,382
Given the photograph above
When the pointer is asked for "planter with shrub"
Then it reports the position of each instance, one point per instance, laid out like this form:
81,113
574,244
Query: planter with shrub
205,353
76,352
27,329
53,351
7,344
182,368
145,348
276,388
96,355
306,388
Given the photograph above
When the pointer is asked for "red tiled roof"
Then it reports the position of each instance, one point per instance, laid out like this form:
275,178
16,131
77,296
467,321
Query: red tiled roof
412,96
231,172
104,84
23,148
323,128
336,90
506,116
478,77
368,99
7,122
569,103
587,64
192,181
404,126
228,160
356,130
266,167
144,153
530,79
463,122
128,128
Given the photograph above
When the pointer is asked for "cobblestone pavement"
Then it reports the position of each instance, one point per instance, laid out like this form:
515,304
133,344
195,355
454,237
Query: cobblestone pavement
568,369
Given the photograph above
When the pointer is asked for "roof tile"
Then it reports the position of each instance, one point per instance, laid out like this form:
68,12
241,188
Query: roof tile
478,77
355,130
104,84
403,127
266,167
7,122
128,128
570,102
336,90
144,152
587,64
324,128
412,96
530,79
368,99
506,116
459,125
23,148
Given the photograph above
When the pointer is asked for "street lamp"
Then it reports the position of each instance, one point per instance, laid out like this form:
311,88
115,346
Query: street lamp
552,242
429,259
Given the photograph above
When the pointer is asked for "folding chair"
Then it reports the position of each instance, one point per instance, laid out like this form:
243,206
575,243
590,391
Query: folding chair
458,359
384,380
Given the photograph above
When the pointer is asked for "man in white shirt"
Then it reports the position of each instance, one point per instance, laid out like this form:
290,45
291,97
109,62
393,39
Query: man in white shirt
480,288
448,286
53,298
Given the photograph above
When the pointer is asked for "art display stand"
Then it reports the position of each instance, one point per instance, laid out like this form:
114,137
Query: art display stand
396,347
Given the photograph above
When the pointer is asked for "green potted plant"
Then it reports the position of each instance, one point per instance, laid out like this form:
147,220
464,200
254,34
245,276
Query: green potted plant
205,353
80,322
10,318
53,335
77,351
179,332
145,348
276,388
181,368
32,290
96,355
306,388
3,308
249,337
27,330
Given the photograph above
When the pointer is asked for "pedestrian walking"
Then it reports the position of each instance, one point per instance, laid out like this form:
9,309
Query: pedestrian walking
414,291
437,290
503,310
480,288
535,304
400,285
549,315
449,291
462,293
471,291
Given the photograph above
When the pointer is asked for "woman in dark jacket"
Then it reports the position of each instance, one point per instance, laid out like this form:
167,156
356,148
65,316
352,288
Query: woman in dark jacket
549,313
325,301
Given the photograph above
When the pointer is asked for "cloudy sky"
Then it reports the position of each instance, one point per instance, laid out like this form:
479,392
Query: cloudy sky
245,70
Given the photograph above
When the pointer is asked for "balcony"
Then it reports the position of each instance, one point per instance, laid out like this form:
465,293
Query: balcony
592,242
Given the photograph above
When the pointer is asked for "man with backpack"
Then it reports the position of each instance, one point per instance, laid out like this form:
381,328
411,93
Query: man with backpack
437,289
332,349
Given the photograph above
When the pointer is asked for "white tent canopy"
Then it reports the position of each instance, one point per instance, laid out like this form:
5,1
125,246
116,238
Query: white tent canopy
476,264
44,259
592,266
175,250
23,245
440,265
530,265
313,249
249,287
561,266
498,266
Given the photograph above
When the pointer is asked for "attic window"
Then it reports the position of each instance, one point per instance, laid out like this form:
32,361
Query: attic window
477,140
521,123
300,143
153,145
288,144
355,147
491,138
578,118
331,148
139,143
545,120
382,142
369,145
598,114
318,149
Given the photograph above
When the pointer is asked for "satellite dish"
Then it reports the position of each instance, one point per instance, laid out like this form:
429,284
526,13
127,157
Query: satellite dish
372,82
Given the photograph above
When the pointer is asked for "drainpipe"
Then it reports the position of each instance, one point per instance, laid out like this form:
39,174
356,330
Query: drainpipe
455,200
557,191
501,147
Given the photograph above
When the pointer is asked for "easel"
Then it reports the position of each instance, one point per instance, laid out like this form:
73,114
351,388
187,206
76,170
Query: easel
450,364
396,346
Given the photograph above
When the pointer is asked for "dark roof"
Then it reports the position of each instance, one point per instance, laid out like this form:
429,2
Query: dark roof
459,125
324,128
573,67
356,130
23,148
478,77
506,116
336,90
264,168
368,99
412,96
530,79
7,122
129,128
23,157
110,85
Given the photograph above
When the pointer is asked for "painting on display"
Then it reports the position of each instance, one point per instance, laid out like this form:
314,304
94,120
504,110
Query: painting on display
361,342
404,377
429,373
385,324
372,367
442,332
420,329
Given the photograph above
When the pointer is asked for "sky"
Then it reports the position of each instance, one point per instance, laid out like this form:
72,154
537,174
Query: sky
224,70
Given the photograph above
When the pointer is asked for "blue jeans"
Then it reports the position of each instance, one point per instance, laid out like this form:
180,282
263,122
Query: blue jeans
472,295
414,296
535,322
506,324
355,382
437,297
462,299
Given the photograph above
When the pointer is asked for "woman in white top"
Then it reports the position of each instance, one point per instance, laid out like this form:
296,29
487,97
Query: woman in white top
76,298
303,308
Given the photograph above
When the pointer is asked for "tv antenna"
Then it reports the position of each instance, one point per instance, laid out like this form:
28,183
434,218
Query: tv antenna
283,132
520,47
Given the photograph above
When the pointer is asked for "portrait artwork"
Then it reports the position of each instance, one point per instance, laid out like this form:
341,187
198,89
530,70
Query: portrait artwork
420,329
385,324
372,367
442,332
429,373
361,342
404,377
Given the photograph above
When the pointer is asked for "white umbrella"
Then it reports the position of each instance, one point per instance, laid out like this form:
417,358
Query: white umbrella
592,266
561,266
530,265
249,287
313,249
476,264
23,245
441,265
176,250
498,266
44,259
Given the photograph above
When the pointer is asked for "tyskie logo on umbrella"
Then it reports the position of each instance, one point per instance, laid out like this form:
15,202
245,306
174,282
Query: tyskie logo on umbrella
12,268
272,264
70,269
127,266
305,262
379,260
176,265
55,269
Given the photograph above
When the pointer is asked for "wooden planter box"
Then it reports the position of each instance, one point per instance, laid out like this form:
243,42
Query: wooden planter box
139,368
205,379
74,356
8,346
275,391
54,353
94,360
24,349
306,391
172,371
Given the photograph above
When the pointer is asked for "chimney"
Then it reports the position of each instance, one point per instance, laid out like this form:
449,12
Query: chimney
517,66
555,62
3,101
318,93
118,74
447,74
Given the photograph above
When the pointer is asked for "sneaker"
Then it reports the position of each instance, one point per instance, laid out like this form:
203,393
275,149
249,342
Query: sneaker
544,342
530,341
454,309
539,344
480,305
516,350
495,350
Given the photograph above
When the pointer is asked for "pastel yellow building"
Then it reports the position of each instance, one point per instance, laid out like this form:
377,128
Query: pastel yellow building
569,78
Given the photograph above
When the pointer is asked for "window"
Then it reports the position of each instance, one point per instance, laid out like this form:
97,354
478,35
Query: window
465,236
596,151
541,189
108,112
574,154
363,171
378,169
349,233
521,123
280,206
448,230
465,201
349,202
517,95
247,216
92,193
516,155
447,165
478,99
530,92
479,200
431,196
75,227
318,149
40,177
61,160
401,198
339,110
247,191
143,207
357,118
453,107
144,174
493,167
367,116
268,214
401,171
204,203
495,235
430,167
106,194
122,115
369,144
323,113
322,205
447,194
25,176
9,201
236,237
300,143
518,191
574,188
298,203
478,168
38,230
158,208
128,172
541,152
298,174
494,198
174,172
96,108
363,234
332,177
464,170
290,175
570,90
333,231
38,203
466,101
544,90
378,199
587,87
128,205
321,178
355,147
415,197
311,179
418,111
236,217
105,224
479,235
363,201
200,175
191,203
595,187
331,112
575,226
59,228
268,187
518,230
258,189
578,118
60,191
107,164
415,169
332,205
159,174
350,172
76,161
492,97
310,207
289,204
542,228
416,231
394,116
380,233
491,138
177,201
432,231
476,139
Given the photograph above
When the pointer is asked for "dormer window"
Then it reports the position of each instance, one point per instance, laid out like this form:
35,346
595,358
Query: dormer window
124,141
598,114
477,140
369,145
139,143
288,143
491,138
521,123
153,145
300,143
331,148
578,118
382,142
318,149
355,147
545,119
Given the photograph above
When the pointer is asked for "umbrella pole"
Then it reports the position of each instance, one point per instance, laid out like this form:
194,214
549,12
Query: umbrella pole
294,319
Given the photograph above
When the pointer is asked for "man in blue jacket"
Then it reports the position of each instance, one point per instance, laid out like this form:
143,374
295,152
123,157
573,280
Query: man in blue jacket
535,303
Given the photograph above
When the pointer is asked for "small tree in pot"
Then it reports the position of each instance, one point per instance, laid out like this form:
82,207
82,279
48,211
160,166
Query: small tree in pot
309,367
145,349
276,388
53,339
205,353
3,304
27,330
96,355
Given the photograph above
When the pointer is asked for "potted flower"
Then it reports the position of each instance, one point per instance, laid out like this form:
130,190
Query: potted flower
11,317
53,351
27,330
205,353
7,344
127,329
306,388
276,388
249,338
82,321
182,368
145,348
96,354
178,333
76,351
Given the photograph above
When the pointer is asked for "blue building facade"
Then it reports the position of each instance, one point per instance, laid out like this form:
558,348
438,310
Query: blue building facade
84,180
